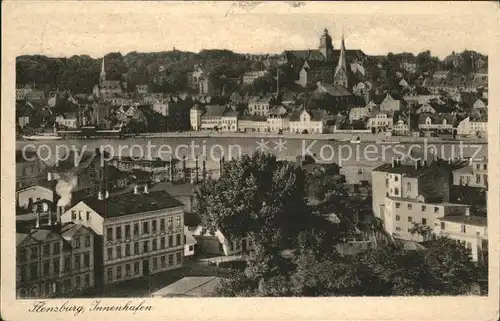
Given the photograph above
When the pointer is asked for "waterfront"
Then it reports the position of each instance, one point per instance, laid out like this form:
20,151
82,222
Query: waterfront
344,153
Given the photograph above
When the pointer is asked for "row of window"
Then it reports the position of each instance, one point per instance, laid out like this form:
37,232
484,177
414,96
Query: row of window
410,206
50,288
410,219
467,179
146,228
156,264
145,246
47,247
31,271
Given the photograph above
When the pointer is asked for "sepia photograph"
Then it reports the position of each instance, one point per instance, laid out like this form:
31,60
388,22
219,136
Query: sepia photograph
247,150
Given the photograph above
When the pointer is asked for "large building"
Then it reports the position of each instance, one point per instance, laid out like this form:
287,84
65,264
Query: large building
107,88
142,232
54,259
473,175
30,169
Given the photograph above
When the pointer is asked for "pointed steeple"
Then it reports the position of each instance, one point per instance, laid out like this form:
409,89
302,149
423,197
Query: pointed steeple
340,76
103,71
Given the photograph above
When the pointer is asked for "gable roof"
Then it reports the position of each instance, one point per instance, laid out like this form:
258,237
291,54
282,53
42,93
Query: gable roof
332,90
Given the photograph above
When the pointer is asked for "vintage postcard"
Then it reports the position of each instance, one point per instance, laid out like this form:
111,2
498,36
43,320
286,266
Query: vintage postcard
250,160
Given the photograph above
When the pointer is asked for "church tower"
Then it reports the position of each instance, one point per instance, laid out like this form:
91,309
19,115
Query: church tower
326,46
103,72
340,78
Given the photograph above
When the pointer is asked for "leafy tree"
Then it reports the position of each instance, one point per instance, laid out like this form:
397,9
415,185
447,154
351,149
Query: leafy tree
256,195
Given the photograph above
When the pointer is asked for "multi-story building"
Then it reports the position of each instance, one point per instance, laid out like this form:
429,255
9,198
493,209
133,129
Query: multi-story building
469,229
159,169
436,122
252,124
473,126
400,128
54,260
259,106
390,104
217,243
473,175
380,121
277,121
30,169
307,122
142,232
405,195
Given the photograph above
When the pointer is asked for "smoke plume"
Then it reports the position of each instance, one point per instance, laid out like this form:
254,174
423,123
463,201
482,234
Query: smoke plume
64,186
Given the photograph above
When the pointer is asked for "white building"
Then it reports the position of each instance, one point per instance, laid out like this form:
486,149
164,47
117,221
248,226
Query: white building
34,193
217,243
473,127
471,230
277,120
161,107
380,122
400,128
259,106
195,117
303,122
69,120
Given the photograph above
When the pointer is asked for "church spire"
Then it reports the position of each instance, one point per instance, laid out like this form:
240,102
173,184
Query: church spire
103,71
340,76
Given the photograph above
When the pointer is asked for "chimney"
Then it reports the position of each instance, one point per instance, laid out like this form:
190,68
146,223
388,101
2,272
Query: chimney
146,191
467,211
99,195
107,194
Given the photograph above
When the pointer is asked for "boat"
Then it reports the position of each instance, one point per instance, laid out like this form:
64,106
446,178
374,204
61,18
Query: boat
355,140
387,142
43,136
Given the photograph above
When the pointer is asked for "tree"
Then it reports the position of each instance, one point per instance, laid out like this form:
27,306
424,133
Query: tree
256,195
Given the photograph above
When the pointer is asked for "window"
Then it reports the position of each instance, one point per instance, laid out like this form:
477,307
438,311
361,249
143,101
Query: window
178,258
86,280
86,260
127,231
127,269
485,166
118,232
170,259
478,167
442,225
386,183
34,252
409,206
110,253
136,248
163,261
145,246
424,208
396,178
485,178
77,242
110,274
464,229
118,252
162,224
478,179
155,263
410,219
436,209
67,264
155,244
88,215
396,191
178,240
145,228
136,267
55,264
77,261
118,272
398,218
136,229
178,221
22,254
170,241
87,240
408,186
127,249
46,268
169,223
162,243
398,205
154,226
424,221
73,215
78,282
46,249
109,234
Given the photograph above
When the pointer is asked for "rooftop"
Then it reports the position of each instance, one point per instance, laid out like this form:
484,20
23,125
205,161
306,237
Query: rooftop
130,203
466,219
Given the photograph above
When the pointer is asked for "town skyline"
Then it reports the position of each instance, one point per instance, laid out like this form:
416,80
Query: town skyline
255,31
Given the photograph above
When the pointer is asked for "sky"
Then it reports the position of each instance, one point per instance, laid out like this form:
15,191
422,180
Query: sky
97,28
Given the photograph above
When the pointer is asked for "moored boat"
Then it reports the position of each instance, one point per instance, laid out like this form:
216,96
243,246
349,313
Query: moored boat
42,136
